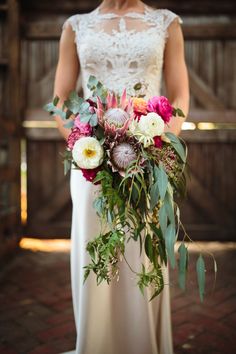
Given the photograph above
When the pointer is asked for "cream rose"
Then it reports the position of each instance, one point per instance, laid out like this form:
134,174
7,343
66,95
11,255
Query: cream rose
87,153
151,125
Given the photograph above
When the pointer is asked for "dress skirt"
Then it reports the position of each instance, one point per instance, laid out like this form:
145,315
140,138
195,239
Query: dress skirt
114,318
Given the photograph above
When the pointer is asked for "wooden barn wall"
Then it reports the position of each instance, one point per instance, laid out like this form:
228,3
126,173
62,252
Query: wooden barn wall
10,127
209,209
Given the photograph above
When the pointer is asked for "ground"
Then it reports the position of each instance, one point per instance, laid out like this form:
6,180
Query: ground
36,315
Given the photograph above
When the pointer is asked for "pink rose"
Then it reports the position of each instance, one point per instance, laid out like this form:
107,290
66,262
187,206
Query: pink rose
161,106
89,175
73,137
85,128
157,142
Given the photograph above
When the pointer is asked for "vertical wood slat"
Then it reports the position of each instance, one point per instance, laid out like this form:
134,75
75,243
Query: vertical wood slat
14,98
14,59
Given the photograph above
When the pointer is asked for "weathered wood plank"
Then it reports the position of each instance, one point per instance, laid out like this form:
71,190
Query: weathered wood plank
203,92
59,197
214,116
43,30
182,6
8,174
204,199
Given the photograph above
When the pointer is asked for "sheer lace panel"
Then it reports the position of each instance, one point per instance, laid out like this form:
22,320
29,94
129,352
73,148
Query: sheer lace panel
122,50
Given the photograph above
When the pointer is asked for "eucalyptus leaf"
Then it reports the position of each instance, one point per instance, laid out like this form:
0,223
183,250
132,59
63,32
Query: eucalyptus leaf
154,195
161,243
69,124
85,117
53,110
170,242
177,145
98,205
92,82
169,207
200,267
162,181
93,121
163,219
67,166
183,261
84,107
74,102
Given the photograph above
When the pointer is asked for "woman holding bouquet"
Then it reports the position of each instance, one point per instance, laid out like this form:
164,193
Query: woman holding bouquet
124,44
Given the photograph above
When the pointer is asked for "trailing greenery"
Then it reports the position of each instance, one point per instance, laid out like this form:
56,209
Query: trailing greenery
138,206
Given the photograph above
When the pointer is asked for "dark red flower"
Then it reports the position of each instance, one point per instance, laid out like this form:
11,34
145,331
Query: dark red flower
157,142
90,174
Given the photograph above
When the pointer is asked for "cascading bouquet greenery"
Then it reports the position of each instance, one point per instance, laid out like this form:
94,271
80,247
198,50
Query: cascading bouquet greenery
118,141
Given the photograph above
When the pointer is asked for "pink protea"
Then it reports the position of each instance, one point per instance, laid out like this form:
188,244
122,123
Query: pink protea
116,116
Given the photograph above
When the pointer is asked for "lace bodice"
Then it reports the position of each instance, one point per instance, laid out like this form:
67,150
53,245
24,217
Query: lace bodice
122,51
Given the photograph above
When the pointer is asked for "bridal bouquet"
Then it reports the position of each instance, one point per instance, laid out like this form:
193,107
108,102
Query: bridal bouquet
118,142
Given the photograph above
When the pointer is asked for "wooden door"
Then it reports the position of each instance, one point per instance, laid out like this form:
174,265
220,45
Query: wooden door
210,46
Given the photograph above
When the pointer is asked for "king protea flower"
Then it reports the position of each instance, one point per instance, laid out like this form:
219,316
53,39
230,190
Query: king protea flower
122,155
115,119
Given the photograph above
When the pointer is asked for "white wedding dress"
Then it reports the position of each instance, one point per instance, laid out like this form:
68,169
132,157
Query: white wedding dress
116,319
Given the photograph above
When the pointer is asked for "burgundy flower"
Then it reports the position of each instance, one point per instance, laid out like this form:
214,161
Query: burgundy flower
90,174
162,106
157,142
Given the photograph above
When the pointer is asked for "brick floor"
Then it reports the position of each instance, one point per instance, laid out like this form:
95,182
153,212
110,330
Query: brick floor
36,314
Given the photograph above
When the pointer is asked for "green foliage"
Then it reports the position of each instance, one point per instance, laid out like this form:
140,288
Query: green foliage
67,161
170,242
179,145
74,102
55,111
183,264
137,207
200,266
105,251
178,112
162,180
97,88
151,279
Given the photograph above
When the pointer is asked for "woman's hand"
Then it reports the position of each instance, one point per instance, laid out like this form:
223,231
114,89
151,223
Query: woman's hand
67,72
176,75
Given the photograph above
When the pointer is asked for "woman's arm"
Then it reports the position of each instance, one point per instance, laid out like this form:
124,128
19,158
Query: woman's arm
66,73
176,75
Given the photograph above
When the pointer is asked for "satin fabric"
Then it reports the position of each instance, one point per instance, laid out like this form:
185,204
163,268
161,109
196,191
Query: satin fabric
115,318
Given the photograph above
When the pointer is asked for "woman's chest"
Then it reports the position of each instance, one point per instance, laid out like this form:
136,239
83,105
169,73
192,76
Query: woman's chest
123,48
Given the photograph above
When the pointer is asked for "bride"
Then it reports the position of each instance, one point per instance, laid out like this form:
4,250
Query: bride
122,42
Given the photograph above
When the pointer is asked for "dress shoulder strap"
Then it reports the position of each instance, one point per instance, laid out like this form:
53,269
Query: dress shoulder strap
169,16
73,21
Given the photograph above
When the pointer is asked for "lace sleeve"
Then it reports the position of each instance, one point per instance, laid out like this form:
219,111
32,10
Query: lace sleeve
169,17
73,21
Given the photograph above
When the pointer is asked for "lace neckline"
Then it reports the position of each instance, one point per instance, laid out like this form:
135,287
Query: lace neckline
146,10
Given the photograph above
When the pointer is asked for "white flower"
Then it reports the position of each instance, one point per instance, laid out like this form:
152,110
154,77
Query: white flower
87,153
151,125
133,127
144,139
